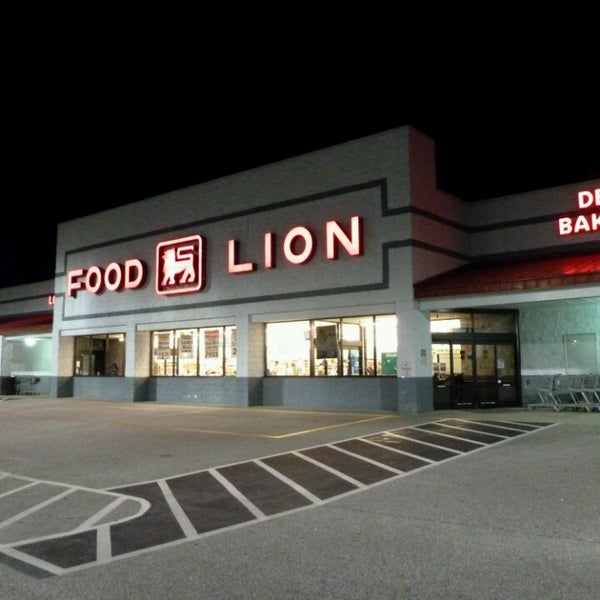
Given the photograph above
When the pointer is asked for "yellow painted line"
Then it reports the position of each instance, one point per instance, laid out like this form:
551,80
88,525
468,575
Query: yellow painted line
129,424
163,427
234,432
315,429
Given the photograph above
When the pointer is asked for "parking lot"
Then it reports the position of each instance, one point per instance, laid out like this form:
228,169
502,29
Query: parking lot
119,500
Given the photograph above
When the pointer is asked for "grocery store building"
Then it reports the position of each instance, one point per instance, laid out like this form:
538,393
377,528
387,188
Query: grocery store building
339,279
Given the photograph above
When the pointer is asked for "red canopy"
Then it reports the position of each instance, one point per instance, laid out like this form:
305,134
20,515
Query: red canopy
512,276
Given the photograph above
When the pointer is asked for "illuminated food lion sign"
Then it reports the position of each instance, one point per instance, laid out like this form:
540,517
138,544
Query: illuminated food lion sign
583,223
180,263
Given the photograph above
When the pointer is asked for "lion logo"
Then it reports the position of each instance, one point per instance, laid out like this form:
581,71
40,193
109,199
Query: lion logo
178,262
179,265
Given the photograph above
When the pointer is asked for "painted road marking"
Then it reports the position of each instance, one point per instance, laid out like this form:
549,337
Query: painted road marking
186,507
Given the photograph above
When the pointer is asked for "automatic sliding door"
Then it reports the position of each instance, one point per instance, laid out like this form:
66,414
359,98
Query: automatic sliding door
442,375
452,375
462,381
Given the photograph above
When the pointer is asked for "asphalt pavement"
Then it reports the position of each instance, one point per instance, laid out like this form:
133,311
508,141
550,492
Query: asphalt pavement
119,501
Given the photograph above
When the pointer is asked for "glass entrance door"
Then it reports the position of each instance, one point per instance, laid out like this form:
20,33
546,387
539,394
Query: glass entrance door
484,380
480,375
506,375
442,375
452,375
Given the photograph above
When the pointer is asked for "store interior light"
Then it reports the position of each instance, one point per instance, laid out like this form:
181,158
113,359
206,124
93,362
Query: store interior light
29,341
445,325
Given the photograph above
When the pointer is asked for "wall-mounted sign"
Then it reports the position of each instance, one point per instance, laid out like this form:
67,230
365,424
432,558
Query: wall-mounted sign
585,222
299,246
179,265
114,277
180,262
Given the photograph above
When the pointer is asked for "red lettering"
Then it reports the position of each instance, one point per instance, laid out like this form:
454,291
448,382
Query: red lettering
269,250
233,264
73,282
289,244
585,199
565,226
352,244
114,278
581,224
134,273
93,279
299,245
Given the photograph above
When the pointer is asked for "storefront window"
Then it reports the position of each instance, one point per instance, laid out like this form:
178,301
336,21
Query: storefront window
100,355
349,346
326,347
211,351
386,345
187,352
208,351
451,322
288,348
230,351
478,322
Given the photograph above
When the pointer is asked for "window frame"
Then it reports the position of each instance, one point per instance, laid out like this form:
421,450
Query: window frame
326,350
209,359
112,363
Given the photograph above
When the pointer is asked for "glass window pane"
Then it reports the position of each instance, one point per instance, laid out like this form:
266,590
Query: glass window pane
505,362
451,322
162,352
288,348
100,355
211,351
186,345
354,357
326,348
369,341
441,362
230,351
115,354
82,355
386,341
494,322
352,346
463,362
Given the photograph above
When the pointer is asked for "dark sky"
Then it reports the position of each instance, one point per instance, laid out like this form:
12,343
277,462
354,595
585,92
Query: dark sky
100,109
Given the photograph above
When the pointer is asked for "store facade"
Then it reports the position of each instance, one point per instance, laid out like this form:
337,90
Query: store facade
340,279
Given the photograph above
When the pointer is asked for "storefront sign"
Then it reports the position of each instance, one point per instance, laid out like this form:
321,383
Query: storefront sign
583,223
299,246
129,275
180,262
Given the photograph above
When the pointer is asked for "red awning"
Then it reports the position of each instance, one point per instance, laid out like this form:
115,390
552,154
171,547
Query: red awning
487,278
23,325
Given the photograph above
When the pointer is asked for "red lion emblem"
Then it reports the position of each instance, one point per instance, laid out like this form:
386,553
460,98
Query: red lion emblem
178,261
179,265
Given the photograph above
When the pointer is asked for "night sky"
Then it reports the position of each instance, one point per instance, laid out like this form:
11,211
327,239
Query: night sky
100,109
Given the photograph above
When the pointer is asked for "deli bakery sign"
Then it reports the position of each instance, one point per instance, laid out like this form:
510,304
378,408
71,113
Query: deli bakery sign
585,222
180,263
